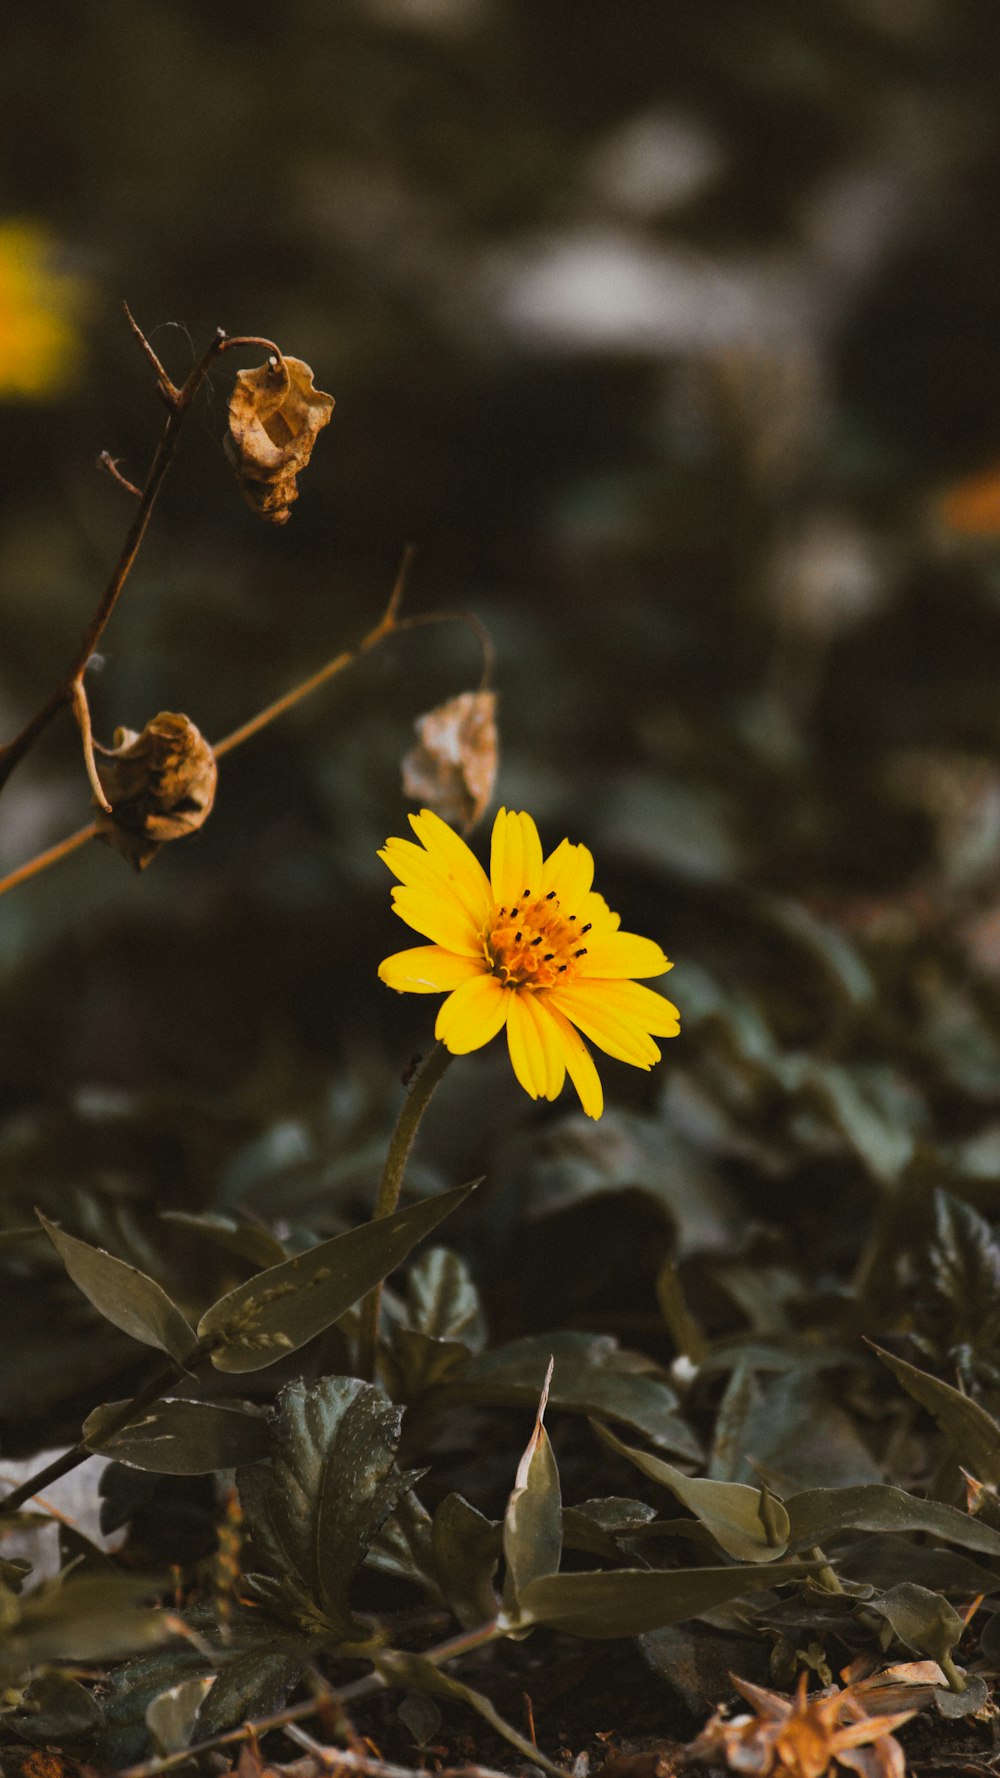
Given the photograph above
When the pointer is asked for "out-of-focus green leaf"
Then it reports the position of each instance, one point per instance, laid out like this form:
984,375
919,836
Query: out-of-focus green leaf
414,1674
403,1544
466,1548
54,1707
532,1527
841,963
630,1601
973,1433
744,1522
124,1296
171,1717
90,1618
593,1375
442,1300
249,1242
279,1310
599,1526
331,1481
179,1437
818,1514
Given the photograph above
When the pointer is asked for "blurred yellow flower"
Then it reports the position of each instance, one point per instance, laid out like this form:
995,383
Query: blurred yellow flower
40,342
530,948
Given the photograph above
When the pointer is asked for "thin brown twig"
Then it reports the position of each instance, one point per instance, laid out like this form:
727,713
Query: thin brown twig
106,461
356,1759
81,710
178,402
388,624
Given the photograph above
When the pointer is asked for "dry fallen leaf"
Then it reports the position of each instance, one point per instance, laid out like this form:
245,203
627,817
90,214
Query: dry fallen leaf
275,416
160,784
453,767
802,1737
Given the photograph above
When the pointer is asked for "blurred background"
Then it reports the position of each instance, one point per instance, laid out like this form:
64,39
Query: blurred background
668,334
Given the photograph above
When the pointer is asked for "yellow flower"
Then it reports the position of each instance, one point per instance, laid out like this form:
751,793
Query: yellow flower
39,341
531,948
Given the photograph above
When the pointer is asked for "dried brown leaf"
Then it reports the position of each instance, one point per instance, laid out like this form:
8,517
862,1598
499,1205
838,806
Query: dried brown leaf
275,417
802,1737
160,784
453,767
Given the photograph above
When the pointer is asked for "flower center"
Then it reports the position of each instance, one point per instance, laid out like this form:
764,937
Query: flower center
534,944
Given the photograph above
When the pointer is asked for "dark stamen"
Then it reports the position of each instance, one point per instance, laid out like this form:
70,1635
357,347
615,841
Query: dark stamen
586,928
572,916
536,941
581,953
548,956
518,937
562,968
524,894
551,895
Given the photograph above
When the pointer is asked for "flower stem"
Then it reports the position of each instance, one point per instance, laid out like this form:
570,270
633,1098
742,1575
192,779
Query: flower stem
422,1089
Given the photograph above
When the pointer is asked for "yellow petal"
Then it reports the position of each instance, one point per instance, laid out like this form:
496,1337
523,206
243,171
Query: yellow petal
640,1006
578,1059
418,869
459,863
535,1050
619,954
586,1004
439,919
473,1014
427,969
569,871
515,857
594,908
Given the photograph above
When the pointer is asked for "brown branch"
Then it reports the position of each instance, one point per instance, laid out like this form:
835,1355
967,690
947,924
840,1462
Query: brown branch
388,624
178,402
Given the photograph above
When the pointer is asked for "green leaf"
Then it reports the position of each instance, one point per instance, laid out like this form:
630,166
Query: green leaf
279,1310
124,1296
821,1513
442,1301
414,1674
592,1376
599,1526
532,1527
331,1481
466,1549
90,1617
920,1619
179,1437
745,1522
630,1601
251,1684
973,1433
171,1717
53,1707
249,1242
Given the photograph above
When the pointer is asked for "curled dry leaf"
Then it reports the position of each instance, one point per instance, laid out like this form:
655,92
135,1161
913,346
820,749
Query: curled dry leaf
160,784
275,417
803,1737
453,767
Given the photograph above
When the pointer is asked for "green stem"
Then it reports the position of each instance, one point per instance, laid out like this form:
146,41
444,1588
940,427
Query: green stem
826,1577
956,1679
422,1089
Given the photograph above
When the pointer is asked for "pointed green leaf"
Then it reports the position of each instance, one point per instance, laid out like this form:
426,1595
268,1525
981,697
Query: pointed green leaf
973,1433
89,1617
177,1437
466,1548
442,1300
331,1481
124,1296
532,1529
414,1674
252,1684
821,1513
171,1717
745,1522
53,1708
631,1601
279,1310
